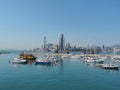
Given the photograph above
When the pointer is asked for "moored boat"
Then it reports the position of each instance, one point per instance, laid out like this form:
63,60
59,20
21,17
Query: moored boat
19,61
93,60
110,66
117,61
43,61
27,56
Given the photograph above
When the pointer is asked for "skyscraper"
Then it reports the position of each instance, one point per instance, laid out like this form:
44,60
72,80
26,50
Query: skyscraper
44,42
62,43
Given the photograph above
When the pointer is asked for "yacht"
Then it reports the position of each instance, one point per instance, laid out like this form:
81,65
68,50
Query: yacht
43,61
19,61
110,66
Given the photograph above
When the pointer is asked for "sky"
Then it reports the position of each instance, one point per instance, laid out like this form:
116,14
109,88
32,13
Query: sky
24,23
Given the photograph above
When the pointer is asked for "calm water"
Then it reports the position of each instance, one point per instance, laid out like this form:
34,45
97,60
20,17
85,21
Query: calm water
67,75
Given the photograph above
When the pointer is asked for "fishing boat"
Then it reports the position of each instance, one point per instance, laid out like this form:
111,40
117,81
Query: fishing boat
110,66
19,61
27,56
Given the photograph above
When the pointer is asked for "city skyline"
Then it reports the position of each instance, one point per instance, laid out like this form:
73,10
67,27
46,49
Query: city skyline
24,23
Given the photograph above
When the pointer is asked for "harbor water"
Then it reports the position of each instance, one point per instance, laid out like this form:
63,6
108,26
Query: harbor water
65,75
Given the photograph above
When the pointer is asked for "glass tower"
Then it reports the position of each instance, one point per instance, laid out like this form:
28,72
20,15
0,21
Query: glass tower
62,43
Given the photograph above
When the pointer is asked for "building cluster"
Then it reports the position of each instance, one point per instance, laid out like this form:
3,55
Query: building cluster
63,47
57,48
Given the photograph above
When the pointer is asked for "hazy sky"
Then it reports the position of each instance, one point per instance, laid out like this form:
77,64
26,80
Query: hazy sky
24,23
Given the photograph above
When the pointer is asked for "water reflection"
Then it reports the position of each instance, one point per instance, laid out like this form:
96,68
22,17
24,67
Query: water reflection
18,65
43,66
110,70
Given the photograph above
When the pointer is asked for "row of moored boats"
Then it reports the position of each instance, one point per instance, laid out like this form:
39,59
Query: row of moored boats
100,61
40,60
47,60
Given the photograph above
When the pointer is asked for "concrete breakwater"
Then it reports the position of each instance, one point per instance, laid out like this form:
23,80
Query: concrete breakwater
63,54
4,52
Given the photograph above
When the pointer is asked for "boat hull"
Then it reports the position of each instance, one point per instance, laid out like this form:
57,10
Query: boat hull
110,66
19,62
43,63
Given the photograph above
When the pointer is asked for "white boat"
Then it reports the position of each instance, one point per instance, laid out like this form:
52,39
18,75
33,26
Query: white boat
109,66
54,59
93,60
43,61
89,61
99,61
117,61
75,57
66,56
19,61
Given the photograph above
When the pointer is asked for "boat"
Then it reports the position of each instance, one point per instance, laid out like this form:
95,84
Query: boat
110,66
43,61
19,61
93,60
27,56
54,59
99,61
117,61
75,57
65,56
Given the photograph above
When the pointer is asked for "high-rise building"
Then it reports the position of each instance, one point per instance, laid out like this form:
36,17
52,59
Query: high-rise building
44,42
67,46
62,43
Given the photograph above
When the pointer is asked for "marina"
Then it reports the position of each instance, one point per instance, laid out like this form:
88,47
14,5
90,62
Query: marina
57,75
50,58
59,45
103,61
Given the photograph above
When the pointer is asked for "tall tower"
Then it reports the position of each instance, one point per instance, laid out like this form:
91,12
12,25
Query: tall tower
44,42
62,43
